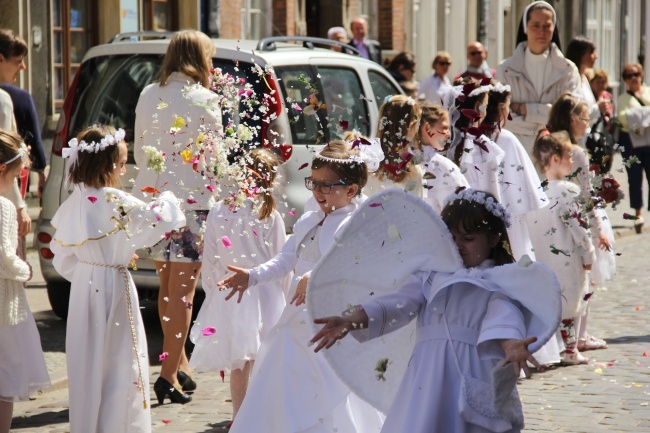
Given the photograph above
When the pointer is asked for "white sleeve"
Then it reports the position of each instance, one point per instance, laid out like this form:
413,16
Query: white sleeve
147,223
503,321
11,266
276,268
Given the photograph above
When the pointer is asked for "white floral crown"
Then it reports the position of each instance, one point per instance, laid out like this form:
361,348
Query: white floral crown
76,146
480,89
501,88
480,197
23,151
370,153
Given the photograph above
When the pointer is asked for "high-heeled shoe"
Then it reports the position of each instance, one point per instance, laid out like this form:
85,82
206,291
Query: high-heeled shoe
186,381
163,389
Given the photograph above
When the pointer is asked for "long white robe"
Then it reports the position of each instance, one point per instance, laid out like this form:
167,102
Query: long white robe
98,230
238,238
307,394
427,399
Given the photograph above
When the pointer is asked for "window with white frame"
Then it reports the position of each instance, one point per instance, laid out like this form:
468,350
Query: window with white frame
601,25
253,21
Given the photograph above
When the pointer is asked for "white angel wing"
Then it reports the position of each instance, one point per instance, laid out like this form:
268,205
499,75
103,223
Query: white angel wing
392,235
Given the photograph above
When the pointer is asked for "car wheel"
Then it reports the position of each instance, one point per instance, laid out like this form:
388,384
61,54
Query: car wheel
59,295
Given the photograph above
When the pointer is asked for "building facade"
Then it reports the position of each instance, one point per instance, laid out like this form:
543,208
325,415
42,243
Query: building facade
59,32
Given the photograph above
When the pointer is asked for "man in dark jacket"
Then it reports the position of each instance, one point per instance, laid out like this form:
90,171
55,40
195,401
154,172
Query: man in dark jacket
370,49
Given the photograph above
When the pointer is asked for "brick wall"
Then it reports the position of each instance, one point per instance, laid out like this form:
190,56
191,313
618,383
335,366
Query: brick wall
390,20
284,17
230,15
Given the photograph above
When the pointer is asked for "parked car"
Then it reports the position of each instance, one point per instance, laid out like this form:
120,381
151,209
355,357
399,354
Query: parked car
110,78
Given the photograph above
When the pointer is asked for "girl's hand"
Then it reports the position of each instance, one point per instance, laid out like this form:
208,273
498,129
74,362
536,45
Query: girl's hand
236,283
336,327
603,243
301,291
517,354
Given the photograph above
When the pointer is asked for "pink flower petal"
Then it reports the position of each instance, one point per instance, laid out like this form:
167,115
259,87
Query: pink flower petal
255,233
225,240
374,205
190,201
209,330
162,356
291,213
92,198
210,188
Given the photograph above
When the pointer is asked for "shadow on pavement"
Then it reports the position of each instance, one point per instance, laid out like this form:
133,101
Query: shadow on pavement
40,420
627,339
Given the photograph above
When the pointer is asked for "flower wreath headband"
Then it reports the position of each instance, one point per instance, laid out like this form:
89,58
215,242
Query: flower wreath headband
23,151
76,146
492,206
370,153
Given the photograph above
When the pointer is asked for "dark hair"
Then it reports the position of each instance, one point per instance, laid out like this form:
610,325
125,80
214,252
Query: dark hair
549,144
263,165
350,173
495,102
473,217
521,34
405,58
467,102
559,118
10,146
12,45
395,116
95,169
577,48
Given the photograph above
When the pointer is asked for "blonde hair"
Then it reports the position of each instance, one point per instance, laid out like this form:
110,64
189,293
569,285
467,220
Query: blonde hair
263,164
190,52
440,57
395,118
10,144
548,145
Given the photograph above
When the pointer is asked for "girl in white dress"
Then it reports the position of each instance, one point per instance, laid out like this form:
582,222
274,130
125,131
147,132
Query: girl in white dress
227,335
441,176
518,185
571,113
399,118
98,230
560,235
465,325
308,397
21,357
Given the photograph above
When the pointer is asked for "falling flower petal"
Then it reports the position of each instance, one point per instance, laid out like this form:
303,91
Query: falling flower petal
344,124
374,205
306,164
225,240
190,201
210,188
162,356
209,330
393,233
296,107
255,233
149,190
222,374
179,122
92,198
291,213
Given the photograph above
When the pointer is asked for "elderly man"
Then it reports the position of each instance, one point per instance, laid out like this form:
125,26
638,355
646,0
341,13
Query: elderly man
368,48
477,67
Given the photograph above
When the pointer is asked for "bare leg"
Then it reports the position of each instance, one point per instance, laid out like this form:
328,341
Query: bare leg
6,411
238,385
181,283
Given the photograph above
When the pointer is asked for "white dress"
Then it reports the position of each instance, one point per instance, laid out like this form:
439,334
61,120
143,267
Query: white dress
440,179
564,246
427,398
238,238
412,183
97,232
308,397
520,191
23,369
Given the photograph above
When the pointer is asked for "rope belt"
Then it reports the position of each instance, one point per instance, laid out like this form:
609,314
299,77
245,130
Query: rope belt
125,278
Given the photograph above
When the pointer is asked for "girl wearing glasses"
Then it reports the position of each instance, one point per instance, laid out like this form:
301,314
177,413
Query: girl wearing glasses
311,397
634,106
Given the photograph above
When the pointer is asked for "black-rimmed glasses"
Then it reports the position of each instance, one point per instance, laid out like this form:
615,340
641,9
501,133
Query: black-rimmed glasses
323,187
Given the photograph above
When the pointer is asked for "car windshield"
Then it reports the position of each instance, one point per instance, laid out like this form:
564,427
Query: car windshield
322,102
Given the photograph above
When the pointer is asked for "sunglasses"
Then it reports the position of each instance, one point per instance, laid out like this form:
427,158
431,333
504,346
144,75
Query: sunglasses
632,75
475,53
444,63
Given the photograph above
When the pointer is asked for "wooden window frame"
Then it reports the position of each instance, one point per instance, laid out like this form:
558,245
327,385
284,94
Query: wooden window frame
172,20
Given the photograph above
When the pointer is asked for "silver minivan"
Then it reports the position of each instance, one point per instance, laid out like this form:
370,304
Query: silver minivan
109,81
